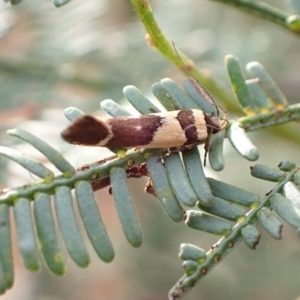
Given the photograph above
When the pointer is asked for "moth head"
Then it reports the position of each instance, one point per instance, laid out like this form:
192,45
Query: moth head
215,123
212,124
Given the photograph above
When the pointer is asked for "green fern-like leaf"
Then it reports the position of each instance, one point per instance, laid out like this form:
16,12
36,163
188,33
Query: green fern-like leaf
178,182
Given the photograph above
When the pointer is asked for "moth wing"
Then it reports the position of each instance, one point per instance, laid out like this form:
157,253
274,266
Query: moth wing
160,130
121,132
86,130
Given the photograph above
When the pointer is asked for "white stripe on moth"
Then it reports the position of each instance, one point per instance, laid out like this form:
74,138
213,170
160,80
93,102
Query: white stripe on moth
110,135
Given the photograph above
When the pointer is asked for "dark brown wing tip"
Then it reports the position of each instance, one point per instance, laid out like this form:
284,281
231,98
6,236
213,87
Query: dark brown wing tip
85,130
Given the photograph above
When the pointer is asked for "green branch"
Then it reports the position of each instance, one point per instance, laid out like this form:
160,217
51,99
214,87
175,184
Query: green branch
98,171
260,121
224,246
94,173
288,21
157,39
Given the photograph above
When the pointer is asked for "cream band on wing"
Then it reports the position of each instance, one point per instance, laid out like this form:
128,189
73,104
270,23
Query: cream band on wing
200,125
169,133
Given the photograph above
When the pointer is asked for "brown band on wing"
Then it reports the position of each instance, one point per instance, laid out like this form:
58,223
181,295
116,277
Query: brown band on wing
186,120
133,132
86,130
212,123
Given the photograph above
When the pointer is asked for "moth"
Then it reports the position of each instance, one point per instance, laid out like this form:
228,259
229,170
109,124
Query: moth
180,129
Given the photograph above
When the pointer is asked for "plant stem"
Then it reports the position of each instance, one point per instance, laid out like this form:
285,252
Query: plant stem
264,11
157,39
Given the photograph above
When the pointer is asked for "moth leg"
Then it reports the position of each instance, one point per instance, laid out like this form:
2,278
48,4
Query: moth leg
206,148
168,153
171,151
186,147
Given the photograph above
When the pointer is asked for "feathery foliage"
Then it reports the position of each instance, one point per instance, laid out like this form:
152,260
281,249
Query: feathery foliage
178,180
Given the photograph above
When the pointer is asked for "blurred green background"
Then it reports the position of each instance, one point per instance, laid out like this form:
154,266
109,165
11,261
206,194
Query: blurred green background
87,51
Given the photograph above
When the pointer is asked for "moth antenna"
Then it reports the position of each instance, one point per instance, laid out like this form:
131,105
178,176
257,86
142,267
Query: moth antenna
224,121
193,76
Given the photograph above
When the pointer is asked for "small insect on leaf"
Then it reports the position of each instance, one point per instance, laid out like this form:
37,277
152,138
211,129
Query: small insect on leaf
179,129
